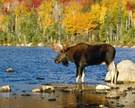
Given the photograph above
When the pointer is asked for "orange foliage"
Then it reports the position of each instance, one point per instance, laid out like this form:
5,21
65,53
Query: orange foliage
22,9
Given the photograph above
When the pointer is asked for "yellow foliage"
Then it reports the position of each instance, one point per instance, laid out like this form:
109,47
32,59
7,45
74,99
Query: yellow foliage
3,22
45,8
45,14
133,17
79,23
99,12
46,21
76,21
72,8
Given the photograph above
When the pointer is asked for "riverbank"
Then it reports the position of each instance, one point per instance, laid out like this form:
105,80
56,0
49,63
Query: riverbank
72,96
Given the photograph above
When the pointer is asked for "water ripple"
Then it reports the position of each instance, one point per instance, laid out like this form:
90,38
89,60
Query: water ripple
30,63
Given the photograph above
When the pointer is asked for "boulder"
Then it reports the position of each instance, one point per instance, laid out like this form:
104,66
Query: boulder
126,69
102,87
5,88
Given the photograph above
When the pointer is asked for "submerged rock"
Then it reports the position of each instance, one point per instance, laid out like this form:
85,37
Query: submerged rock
126,69
68,90
25,94
5,88
9,69
113,95
52,99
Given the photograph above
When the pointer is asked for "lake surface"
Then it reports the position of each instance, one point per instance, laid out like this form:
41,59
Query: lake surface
35,66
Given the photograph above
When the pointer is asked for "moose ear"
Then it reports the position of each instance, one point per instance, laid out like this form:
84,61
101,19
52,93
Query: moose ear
57,47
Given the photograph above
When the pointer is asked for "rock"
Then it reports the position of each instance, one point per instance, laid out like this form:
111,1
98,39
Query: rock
40,44
9,69
36,90
112,95
44,88
102,87
29,44
40,78
52,99
67,90
5,88
102,106
133,46
47,88
125,46
126,70
120,105
25,94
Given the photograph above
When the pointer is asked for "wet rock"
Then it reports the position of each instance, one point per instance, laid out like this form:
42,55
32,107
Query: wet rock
102,87
40,44
14,94
47,88
39,78
120,105
36,90
23,91
133,46
5,88
67,90
112,97
10,70
44,88
113,94
52,99
25,94
126,69
133,92
102,106
129,88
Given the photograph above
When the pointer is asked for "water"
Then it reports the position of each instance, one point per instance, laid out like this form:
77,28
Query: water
35,66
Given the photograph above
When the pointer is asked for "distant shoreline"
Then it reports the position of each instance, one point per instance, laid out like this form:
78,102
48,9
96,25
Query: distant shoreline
50,45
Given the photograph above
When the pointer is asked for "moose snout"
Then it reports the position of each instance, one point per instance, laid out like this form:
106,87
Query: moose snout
56,61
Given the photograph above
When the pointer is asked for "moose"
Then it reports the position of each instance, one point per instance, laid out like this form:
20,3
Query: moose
83,54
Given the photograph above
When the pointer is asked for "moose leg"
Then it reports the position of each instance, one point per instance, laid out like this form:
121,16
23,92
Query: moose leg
82,76
79,74
113,72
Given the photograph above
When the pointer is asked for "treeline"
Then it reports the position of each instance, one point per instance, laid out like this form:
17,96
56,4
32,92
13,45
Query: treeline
66,21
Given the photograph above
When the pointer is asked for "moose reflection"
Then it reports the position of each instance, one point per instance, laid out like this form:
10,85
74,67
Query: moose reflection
84,54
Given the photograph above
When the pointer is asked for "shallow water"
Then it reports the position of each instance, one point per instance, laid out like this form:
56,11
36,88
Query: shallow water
35,66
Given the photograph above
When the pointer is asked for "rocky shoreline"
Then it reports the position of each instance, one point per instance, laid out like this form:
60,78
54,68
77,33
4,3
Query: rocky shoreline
43,45
72,96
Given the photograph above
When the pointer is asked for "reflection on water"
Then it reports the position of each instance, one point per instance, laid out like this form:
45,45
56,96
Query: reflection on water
79,96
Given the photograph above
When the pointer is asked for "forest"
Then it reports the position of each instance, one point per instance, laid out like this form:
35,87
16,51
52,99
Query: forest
30,22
